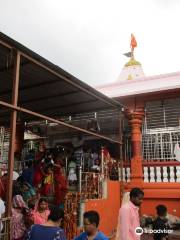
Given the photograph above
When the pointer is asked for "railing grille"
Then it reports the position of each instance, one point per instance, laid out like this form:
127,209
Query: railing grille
162,114
161,130
5,225
160,145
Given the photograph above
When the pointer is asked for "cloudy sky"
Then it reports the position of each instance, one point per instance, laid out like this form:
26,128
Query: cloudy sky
88,37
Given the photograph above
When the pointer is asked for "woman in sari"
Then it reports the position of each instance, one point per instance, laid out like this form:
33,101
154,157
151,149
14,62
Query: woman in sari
19,212
47,187
60,186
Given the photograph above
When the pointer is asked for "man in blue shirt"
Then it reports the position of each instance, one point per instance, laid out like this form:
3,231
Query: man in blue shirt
91,222
50,230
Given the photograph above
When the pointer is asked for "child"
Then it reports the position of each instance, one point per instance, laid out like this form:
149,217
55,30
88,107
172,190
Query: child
160,223
91,222
41,213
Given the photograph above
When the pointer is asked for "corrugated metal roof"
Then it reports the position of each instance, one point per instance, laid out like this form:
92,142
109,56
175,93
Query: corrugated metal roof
45,87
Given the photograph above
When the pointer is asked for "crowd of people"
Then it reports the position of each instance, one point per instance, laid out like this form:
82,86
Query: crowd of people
44,223
39,194
34,218
39,186
43,183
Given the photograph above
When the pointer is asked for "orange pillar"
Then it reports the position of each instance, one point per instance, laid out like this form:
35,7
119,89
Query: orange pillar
135,120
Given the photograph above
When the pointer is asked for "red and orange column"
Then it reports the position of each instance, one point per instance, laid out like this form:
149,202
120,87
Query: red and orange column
135,120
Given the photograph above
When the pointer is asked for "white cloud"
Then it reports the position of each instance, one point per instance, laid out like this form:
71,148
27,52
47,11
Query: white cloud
88,37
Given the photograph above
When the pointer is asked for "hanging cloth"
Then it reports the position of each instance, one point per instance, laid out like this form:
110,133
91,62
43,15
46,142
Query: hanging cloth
177,152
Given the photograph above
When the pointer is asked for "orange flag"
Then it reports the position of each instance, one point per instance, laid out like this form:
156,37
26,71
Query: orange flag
133,41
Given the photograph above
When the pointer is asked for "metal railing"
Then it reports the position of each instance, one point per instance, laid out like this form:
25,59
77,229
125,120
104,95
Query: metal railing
159,144
5,225
92,185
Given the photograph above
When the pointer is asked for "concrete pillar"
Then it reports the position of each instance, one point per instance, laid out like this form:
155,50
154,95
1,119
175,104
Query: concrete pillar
135,120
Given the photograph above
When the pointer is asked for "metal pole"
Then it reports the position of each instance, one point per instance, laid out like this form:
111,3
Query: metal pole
66,166
82,160
102,161
2,132
13,132
80,179
164,113
121,157
86,181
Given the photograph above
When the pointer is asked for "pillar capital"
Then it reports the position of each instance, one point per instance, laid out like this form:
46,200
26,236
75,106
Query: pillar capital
137,114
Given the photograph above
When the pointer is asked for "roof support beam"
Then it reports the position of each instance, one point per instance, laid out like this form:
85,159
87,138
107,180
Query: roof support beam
41,116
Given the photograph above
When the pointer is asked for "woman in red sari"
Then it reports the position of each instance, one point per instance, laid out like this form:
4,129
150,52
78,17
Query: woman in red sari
41,171
38,174
47,186
60,183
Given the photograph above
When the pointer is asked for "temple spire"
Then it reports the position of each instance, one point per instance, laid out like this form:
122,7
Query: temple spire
132,68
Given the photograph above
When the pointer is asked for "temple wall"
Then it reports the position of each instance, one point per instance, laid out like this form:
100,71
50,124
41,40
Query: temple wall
138,101
107,208
159,193
155,193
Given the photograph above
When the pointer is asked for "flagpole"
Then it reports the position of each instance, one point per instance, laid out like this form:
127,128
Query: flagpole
132,53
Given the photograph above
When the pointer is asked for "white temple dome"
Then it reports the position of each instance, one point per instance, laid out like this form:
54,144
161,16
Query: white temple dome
132,70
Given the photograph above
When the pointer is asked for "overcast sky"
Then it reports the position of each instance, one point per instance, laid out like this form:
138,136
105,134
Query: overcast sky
88,37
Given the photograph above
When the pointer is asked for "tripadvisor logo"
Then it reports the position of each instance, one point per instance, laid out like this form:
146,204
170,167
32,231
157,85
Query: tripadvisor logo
158,231
139,231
